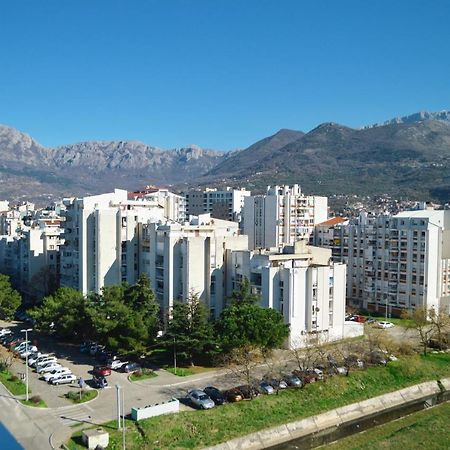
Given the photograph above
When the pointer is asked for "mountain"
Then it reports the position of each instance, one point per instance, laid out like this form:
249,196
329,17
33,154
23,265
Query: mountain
406,159
29,170
418,117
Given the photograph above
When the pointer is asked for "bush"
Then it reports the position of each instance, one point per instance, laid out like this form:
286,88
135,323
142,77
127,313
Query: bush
36,399
14,378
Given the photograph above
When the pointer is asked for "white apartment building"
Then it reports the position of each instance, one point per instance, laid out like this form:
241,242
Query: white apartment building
301,283
102,239
224,204
174,205
282,216
182,260
29,254
394,262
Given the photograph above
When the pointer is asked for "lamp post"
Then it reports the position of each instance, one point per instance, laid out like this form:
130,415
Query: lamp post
121,413
26,358
174,356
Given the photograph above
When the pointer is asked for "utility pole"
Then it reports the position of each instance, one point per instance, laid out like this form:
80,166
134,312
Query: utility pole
121,412
26,358
174,356
118,406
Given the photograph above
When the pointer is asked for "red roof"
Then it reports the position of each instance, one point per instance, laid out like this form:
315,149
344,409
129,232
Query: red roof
333,221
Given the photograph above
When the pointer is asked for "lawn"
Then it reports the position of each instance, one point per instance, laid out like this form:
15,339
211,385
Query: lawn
196,429
409,432
13,383
85,396
191,370
142,375
36,404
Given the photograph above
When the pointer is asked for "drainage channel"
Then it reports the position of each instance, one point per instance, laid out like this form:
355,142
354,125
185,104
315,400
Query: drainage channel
352,427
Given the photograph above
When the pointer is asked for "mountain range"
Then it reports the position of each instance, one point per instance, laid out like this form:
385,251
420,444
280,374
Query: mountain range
405,157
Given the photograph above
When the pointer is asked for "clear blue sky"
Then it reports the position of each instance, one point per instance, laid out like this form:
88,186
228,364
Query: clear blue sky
218,73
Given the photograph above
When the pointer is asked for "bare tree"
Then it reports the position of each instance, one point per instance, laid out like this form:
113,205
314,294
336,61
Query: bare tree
440,321
419,320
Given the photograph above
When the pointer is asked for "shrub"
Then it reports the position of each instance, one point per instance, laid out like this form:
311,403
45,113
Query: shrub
35,399
14,378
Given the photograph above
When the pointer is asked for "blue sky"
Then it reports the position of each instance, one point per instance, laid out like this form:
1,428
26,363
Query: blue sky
218,73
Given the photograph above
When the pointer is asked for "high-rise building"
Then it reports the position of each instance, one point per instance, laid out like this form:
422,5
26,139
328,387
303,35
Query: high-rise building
282,216
394,262
224,204
301,283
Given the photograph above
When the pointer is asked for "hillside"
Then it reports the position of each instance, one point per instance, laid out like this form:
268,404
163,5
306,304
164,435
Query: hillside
407,157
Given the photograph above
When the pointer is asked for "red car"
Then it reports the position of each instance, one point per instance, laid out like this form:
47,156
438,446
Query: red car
101,371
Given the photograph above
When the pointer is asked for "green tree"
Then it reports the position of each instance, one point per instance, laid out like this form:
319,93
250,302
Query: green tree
66,312
244,295
190,330
251,326
10,299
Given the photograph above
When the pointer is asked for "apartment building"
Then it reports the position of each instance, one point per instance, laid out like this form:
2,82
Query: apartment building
102,239
224,204
174,205
182,260
394,262
282,216
29,252
301,283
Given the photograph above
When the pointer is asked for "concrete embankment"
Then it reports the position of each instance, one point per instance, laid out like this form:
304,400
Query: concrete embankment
339,422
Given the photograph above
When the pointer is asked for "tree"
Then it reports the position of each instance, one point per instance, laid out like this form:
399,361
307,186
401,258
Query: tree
418,320
440,320
10,299
65,312
244,325
244,295
190,330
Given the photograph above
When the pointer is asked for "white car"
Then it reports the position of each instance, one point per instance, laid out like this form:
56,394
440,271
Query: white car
57,373
64,379
31,351
116,364
383,324
41,362
32,361
5,332
52,365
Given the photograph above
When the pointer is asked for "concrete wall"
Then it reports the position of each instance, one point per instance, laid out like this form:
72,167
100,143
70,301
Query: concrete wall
172,406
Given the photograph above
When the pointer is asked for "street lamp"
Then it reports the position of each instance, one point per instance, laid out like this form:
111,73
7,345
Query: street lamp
121,413
26,358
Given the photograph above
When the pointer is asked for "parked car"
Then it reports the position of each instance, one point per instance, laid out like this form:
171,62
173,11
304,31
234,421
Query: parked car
14,343
41,361
293,381
22,346
64,379
215,394
266,388
306,376
278,384
378,358
100,382
34,359
248,392
116,364
85,346
383,324
56,373
131,367
233,395
48,367
341,370
7,338
200,399
5,332
101,371
30,351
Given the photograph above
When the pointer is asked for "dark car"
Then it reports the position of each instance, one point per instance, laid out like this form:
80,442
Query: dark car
306,376
378,358
233,395
248,392
131,367
216,396
100,382
101,371
293,381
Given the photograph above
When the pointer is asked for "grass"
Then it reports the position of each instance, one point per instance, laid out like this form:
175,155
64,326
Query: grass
409,432
142,375
196,429
39,404
86,395
186,371
395,320
12,383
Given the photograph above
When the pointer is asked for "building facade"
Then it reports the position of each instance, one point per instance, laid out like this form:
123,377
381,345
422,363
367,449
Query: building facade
224,204
394,262
301,283
282,216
